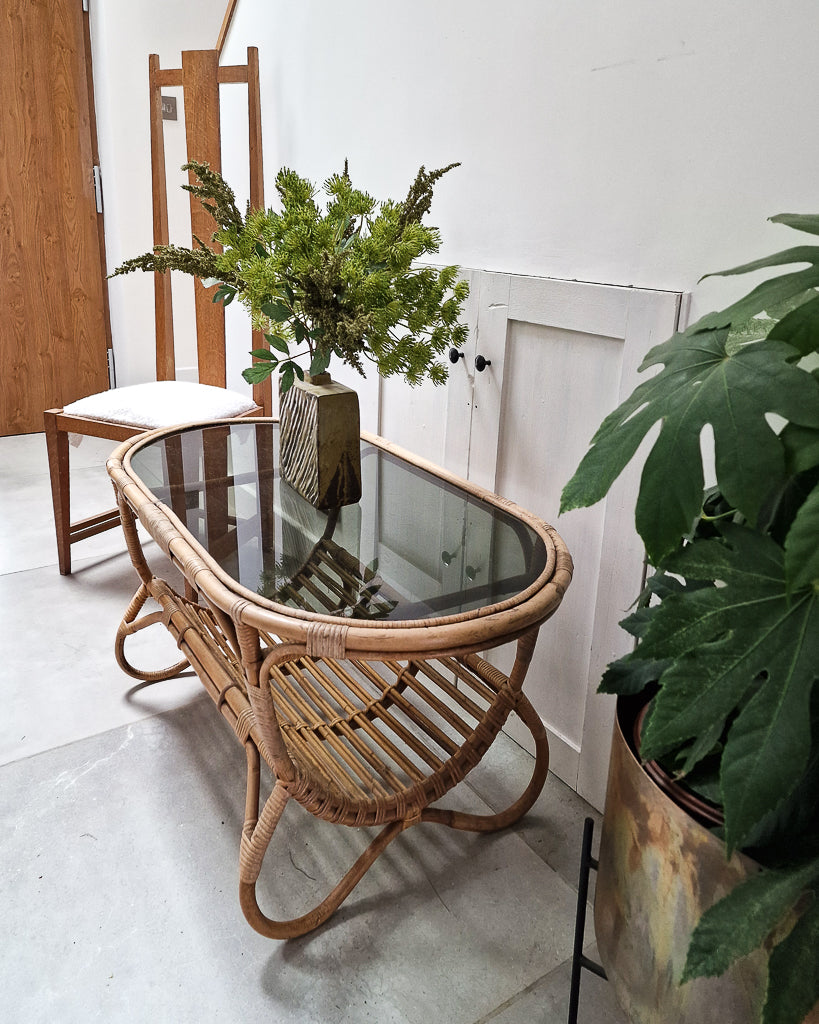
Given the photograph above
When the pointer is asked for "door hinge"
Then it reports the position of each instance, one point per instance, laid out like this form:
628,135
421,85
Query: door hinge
85,6
112,373
98,186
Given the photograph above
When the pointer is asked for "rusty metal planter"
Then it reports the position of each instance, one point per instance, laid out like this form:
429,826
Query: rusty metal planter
659,869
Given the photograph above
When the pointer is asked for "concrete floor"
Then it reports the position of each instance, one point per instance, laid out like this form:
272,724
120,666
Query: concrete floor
121,808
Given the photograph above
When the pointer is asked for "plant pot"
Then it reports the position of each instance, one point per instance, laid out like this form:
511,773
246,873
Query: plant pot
319,442
659,869
702,810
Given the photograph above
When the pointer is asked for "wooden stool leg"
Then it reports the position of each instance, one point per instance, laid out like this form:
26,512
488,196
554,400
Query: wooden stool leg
57,446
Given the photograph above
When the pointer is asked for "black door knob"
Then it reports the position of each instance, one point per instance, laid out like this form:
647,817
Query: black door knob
481,363
455,355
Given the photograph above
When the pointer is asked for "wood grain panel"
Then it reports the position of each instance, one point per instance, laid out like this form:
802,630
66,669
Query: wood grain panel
200,69
52,313
163,305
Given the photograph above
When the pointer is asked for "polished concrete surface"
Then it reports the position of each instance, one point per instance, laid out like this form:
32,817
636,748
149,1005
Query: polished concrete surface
121,808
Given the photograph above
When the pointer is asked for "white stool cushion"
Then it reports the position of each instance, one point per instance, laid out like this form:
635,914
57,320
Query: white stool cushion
163,403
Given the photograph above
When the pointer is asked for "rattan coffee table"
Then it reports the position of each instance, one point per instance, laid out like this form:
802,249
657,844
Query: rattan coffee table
342,646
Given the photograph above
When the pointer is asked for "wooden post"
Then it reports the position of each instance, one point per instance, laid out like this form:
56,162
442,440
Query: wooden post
163,308
200,81
262,393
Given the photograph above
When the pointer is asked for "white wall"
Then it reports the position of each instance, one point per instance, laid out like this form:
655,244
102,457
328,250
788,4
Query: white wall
639,143
122,36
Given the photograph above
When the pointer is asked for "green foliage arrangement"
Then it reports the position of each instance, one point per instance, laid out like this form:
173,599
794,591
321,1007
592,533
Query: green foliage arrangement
728,627
341,281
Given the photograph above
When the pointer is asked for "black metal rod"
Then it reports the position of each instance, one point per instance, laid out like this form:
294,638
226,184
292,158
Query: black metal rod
593,966
579,960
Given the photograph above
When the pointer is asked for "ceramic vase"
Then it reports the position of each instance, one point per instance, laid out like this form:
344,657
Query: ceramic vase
319,442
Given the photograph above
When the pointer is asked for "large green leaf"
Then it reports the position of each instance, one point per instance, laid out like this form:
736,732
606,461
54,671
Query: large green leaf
743,919
768,746
702,382
801,547
800,221
796,254
799,327
746,640
801,447
626,677
793,978
773,292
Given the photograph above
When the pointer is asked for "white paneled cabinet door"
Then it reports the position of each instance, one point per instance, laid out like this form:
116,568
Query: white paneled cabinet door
559,356
562,355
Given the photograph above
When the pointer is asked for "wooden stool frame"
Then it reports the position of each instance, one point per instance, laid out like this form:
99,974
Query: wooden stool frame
200,77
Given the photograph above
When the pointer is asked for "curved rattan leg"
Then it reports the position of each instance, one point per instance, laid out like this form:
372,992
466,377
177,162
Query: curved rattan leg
131,624
494,822
255,840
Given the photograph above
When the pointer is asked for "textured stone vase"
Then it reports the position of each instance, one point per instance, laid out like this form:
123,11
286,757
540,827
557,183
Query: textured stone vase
319,442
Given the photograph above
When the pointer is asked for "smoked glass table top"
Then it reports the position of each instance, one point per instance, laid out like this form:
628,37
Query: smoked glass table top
416,546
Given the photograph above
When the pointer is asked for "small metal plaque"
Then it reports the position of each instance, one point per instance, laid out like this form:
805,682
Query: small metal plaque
169,108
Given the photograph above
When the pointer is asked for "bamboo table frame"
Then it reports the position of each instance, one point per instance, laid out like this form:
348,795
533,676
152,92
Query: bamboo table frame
363,721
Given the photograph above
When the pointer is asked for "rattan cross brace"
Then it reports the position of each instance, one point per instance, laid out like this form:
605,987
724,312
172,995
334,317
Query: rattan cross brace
382,761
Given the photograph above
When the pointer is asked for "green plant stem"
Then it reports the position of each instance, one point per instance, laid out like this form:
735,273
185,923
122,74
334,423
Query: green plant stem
713,519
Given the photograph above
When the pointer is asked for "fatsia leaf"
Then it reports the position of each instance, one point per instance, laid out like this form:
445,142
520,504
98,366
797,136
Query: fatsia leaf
801,447
768,745
793,980
702,382
800,221
770,293
743,919
799,328
701,748
796,254
626,677
745,637
776,290
801,547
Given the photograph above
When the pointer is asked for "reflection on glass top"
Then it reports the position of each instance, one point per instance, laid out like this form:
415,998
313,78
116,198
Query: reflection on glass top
414,547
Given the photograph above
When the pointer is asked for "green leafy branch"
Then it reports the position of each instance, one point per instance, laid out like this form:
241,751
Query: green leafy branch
341,281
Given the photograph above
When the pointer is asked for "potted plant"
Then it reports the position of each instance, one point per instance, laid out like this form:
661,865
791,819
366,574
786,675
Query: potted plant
343,281
727,629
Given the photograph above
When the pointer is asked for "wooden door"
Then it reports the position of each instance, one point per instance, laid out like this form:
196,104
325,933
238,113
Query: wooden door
562,354
53,315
